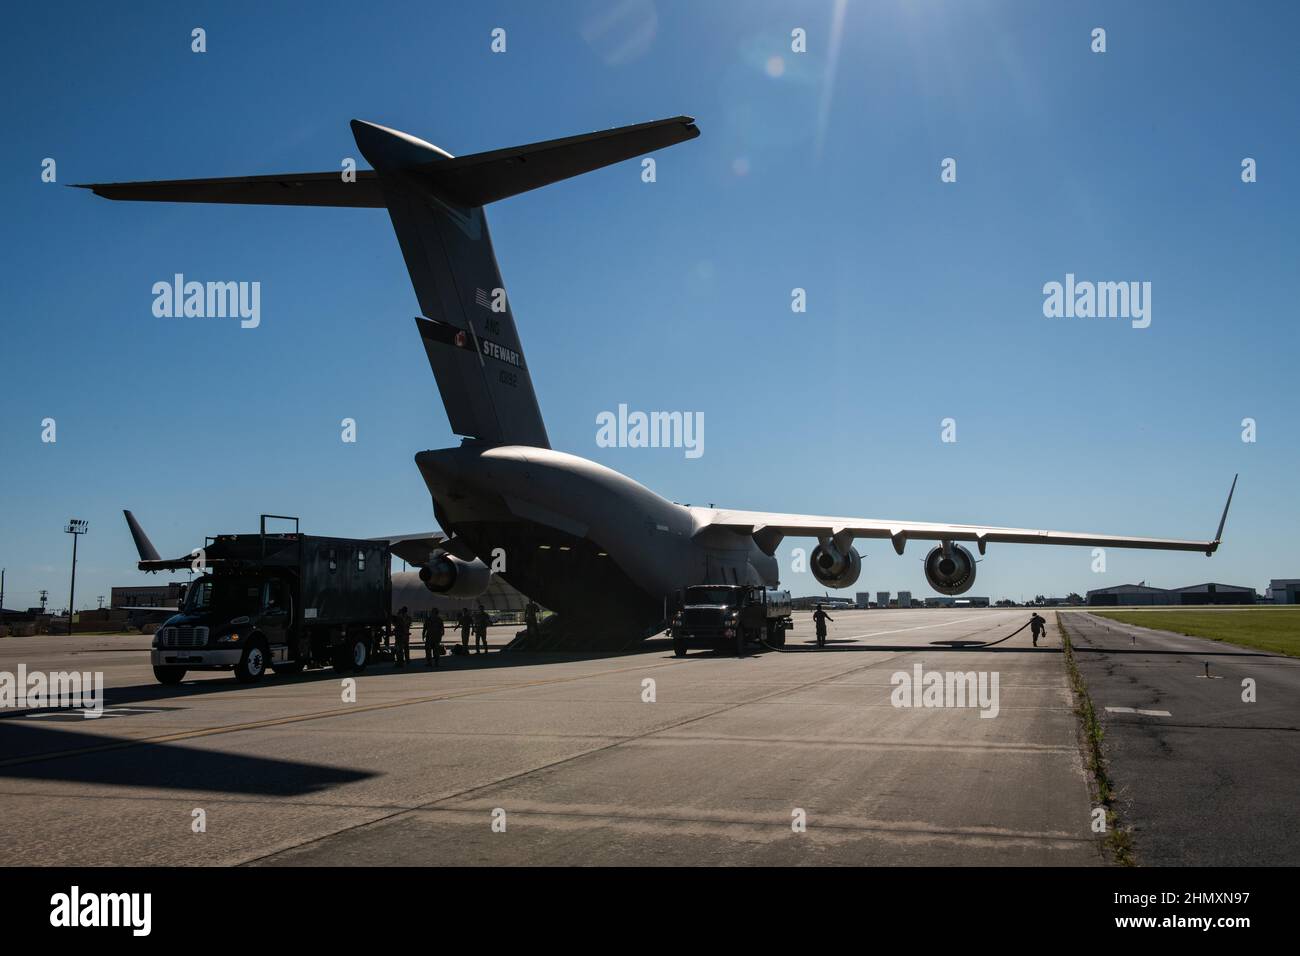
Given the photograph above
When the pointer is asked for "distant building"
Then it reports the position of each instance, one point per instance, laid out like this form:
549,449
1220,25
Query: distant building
864,599
1128,594
882,599
1213,594
1143,595
1284,590
147,595
904,598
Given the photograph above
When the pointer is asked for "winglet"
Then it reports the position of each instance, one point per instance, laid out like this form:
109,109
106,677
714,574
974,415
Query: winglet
142,542
1218,535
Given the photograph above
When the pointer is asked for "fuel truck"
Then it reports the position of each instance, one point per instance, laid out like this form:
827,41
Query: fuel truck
730,617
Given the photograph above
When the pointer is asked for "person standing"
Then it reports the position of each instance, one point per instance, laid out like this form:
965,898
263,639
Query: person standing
820,617
480,629
466,621
434,629
530,619
403,635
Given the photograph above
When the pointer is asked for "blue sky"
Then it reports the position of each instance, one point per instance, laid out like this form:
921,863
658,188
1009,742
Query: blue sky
924,298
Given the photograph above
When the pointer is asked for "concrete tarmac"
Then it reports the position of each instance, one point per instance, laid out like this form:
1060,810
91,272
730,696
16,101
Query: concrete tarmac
795,757
1204,777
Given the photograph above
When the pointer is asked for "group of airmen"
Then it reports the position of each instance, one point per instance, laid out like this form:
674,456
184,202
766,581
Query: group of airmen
435,628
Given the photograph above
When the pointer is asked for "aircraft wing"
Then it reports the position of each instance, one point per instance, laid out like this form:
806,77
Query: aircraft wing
416,549
769,528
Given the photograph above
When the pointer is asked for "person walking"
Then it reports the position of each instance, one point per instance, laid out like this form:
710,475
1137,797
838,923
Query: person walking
434,629
820,617
1038,625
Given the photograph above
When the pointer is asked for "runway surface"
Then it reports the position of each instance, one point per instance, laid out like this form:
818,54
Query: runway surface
568,755
1203,776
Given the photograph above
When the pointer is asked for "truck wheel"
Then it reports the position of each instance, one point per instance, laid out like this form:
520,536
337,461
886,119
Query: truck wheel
776,635
169,675
252,666
352,655
679,647
740,642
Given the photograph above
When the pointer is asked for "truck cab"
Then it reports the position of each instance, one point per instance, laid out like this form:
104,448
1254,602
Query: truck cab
729,618
227,621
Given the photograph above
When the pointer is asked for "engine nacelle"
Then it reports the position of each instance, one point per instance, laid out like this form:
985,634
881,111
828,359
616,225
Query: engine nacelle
834,568
953,573
448,575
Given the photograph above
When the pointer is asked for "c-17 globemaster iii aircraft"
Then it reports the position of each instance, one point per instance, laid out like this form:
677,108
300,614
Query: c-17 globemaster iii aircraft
605,553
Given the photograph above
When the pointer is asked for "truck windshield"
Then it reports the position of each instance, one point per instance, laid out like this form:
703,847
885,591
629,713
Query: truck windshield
225,595
713,595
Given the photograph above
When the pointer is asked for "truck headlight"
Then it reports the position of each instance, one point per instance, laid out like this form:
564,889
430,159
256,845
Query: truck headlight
230,638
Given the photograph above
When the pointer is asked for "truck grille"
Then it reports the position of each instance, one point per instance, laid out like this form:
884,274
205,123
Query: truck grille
184,637
702,617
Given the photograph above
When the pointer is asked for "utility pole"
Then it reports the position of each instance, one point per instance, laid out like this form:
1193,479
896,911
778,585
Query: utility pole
75,527
2,595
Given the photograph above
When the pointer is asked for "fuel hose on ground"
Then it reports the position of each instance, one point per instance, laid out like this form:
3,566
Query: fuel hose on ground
792,650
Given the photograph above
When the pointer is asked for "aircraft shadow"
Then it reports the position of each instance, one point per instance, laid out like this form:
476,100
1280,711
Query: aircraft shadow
164,766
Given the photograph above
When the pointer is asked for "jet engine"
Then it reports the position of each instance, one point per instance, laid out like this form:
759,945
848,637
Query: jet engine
448,575
950,569
834,568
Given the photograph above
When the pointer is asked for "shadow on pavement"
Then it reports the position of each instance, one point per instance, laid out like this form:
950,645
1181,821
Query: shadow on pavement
166,766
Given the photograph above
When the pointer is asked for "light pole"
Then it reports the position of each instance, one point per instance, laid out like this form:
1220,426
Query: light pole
75,528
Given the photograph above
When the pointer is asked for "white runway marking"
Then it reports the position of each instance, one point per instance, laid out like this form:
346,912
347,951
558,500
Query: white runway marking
1144,713
920,627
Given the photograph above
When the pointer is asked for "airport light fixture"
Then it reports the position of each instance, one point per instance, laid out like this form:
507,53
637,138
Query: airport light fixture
76,527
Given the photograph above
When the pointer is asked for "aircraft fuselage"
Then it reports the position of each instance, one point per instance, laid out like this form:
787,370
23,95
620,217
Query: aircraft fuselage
580,538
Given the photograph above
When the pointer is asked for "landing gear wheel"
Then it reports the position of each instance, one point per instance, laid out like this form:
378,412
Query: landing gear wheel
169,675
252,666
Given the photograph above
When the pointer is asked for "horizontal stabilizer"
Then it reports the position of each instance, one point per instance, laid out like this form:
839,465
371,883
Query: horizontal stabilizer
288,189
483,178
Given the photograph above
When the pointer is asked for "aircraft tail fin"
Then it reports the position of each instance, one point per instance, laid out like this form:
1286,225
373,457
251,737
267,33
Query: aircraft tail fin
436,204
467,325
142,543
